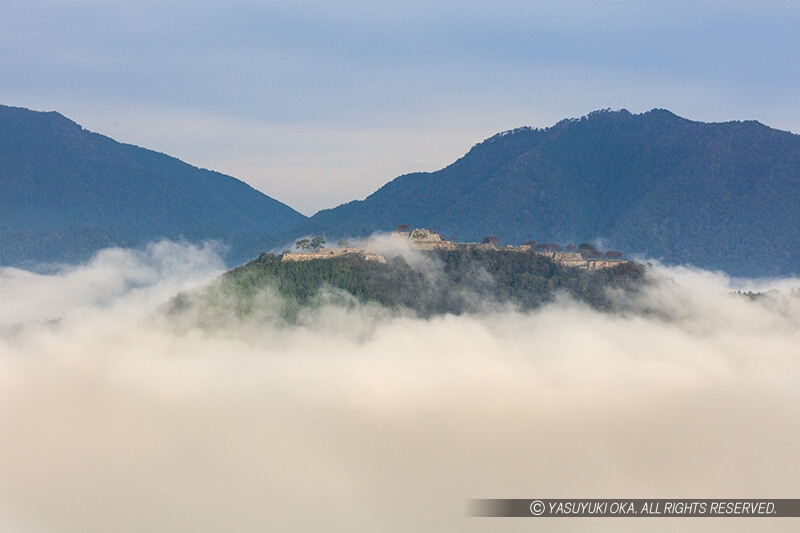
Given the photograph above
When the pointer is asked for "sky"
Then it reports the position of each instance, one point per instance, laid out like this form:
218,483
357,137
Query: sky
316,104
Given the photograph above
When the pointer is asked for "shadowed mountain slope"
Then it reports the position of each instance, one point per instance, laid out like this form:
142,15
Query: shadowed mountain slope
67,192
720,196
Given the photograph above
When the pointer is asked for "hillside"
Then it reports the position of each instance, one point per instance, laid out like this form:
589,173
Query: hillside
426,283
68,192
718,196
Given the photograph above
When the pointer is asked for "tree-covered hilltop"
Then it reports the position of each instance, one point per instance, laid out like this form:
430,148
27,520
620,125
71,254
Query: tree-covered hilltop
444,281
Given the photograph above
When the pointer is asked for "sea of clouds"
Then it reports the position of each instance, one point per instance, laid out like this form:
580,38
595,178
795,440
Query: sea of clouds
112,418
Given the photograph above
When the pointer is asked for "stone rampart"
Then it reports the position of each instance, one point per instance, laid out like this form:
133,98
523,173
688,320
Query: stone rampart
422,239
595,264
330,253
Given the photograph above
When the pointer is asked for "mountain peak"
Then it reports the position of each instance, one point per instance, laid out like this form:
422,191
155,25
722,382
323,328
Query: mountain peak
717,195
61,182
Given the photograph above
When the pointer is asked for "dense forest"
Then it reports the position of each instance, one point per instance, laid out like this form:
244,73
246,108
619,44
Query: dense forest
453,281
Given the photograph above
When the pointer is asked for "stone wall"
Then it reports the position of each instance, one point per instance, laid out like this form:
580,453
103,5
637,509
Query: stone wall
434,245
330,253
422,239
594,264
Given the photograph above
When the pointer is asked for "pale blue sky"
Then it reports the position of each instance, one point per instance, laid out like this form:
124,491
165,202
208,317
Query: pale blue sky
320,104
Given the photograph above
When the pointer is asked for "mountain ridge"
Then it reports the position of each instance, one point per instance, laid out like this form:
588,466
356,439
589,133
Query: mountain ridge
657,185
57,177
716,195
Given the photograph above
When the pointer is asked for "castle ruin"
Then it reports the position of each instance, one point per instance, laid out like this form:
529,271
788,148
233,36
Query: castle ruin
425,240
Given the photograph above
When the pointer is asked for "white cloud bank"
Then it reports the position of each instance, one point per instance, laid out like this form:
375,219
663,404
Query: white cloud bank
356,421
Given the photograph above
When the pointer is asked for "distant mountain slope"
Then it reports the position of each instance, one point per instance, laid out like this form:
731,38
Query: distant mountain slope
720,196
67,191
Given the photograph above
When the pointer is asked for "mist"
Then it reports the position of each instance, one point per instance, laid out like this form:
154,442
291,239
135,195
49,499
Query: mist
114,418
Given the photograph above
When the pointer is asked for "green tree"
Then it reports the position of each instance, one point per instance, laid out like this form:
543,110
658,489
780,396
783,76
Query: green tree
303,244
548,247
589,251
317,243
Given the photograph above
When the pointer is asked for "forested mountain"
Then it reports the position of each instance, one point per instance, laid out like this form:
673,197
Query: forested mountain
67,192
720,195
449,281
